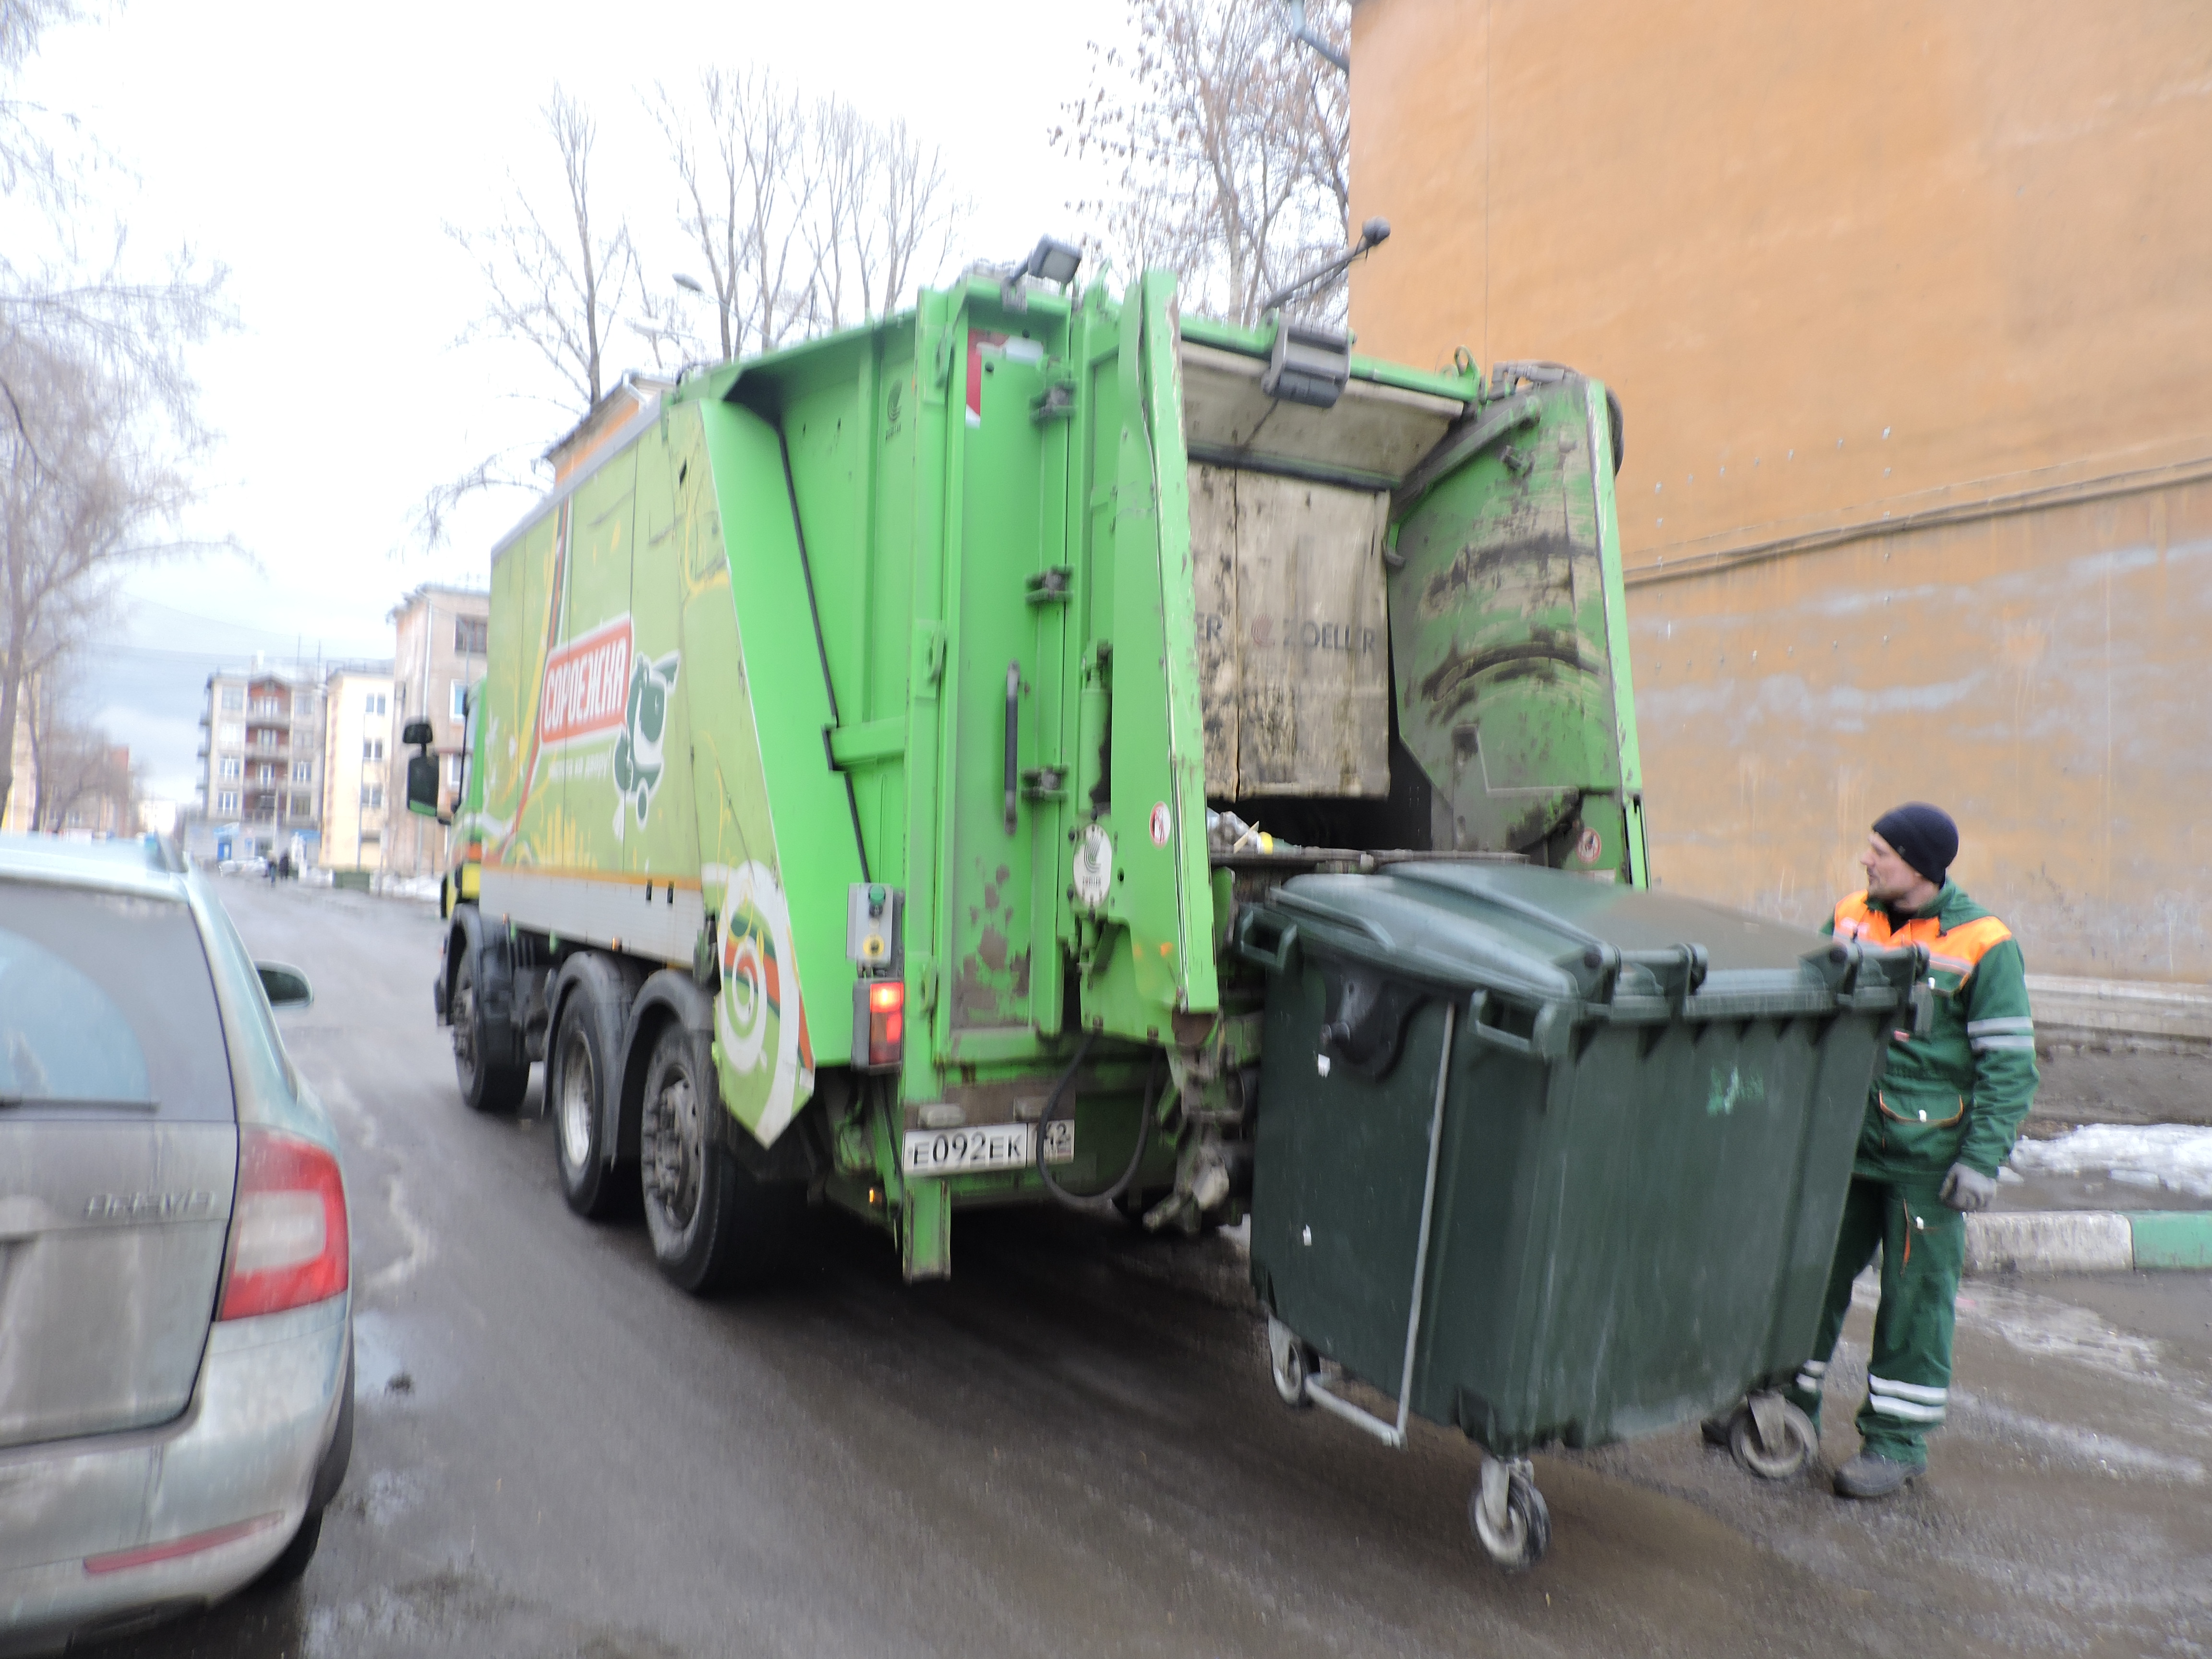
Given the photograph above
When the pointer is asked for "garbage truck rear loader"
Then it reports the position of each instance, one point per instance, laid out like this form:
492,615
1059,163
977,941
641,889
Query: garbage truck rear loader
838,818
953,763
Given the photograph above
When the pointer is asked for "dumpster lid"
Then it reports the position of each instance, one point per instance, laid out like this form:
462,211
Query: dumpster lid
1548,935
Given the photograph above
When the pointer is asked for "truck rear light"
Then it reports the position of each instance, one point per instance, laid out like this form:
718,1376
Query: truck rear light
879,1024
288,1229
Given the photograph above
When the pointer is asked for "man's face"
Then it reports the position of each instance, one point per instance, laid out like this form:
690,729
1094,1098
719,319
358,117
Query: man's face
1889,877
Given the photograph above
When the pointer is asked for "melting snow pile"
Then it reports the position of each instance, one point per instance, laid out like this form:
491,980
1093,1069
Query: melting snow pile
2175,1156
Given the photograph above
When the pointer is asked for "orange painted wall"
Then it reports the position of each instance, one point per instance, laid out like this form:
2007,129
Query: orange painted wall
1910,309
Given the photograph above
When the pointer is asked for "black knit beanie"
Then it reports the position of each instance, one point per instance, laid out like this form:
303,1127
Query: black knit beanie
1922,835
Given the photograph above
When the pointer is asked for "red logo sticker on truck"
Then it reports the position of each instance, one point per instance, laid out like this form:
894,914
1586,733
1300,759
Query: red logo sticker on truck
587,686
1160,825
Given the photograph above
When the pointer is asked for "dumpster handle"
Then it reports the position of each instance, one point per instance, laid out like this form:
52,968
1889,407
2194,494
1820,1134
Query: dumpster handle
1497,1035
1387,1433
1013,739
1276,959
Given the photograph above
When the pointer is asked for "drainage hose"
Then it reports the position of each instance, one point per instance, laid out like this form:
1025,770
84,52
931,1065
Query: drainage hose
1101,1203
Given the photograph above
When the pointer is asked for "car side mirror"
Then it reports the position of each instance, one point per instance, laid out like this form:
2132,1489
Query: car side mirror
423,785
286,987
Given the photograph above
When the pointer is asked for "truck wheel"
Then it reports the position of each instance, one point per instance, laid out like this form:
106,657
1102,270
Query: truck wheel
712,1223
573,1085
486,1087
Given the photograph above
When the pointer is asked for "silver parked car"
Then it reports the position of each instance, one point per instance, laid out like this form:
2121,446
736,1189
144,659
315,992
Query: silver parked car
176,1329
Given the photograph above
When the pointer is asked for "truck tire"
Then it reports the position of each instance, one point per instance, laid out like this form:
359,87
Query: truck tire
576,1075
488,1088
712,1223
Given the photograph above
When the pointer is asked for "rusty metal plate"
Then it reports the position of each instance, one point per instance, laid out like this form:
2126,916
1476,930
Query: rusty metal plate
1292,635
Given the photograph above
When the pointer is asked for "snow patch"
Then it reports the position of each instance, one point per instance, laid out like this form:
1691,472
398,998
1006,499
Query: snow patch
2171,1157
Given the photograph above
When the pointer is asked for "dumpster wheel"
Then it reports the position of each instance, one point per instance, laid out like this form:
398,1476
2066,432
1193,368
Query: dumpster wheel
1291,1361
1773,1439
1510,1517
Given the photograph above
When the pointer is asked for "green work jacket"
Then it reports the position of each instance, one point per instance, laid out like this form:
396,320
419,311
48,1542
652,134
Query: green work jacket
1958,1094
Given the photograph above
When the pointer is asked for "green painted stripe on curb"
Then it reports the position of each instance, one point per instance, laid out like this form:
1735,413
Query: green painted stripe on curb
2172,1239
2086,1241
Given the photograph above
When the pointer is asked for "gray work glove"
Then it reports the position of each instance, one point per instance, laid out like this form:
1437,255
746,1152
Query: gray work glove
1967,1190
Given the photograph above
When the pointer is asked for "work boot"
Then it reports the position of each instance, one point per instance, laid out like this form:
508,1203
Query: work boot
1872,1475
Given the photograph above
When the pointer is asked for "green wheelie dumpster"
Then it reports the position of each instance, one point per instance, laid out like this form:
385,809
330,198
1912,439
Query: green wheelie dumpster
1555,1161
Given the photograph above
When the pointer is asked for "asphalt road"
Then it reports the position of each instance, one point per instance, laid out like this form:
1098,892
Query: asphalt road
1073,1448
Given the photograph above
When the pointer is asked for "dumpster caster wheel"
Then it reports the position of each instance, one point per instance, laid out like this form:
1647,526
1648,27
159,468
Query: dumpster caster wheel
1291,1361
1508,1515
1773,1439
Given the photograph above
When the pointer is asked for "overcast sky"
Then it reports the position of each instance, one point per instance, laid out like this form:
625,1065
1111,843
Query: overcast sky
318,153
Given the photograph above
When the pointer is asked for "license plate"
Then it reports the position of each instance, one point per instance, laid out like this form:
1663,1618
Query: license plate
985,1147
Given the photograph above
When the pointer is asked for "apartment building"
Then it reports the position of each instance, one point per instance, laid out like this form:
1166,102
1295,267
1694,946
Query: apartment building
438,652
261,755
358,736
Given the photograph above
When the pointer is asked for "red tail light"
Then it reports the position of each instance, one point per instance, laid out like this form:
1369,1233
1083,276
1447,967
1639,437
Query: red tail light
879,1024
287,1230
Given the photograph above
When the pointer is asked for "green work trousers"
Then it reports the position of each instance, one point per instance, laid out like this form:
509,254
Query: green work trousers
1923,1246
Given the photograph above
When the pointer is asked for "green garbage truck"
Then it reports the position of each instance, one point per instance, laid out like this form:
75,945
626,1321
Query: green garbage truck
879,738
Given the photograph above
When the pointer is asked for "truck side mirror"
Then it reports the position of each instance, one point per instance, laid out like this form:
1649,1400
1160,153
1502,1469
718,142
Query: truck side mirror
423,785
418,734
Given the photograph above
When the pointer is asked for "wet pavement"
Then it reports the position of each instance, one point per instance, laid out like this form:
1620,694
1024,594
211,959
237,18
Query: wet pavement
1073,1447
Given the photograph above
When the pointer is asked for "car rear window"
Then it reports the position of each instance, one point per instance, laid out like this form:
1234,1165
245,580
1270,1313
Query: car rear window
106,1007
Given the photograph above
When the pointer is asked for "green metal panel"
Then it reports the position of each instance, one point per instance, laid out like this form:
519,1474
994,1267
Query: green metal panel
811,851
1509,635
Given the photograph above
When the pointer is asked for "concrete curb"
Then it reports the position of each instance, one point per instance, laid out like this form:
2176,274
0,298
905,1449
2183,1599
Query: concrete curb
2087,1241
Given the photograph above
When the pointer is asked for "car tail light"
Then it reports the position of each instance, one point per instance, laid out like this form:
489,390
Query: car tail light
288,1229
879,1024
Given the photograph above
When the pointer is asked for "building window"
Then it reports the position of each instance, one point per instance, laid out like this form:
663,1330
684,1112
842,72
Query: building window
372,749
264,739
232,767
303,807
468,633
460,701
227,801
303,771
233,736
264,774
372,795
374,704
453,773
233,698
267,708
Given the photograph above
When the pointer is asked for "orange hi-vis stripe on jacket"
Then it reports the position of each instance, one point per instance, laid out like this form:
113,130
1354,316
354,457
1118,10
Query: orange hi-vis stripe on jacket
1955,953
1958,1091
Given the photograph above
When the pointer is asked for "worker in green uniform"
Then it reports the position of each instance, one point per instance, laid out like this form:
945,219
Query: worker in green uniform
1939,1119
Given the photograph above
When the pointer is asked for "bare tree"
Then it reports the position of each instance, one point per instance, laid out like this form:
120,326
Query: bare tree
82,486
919,214
740,161
557,289
806,217
1229,142
558,284
135,327
85,778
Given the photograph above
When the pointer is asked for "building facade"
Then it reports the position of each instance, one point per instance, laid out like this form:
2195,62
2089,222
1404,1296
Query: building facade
357,741
262,754
1907,309
438,653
